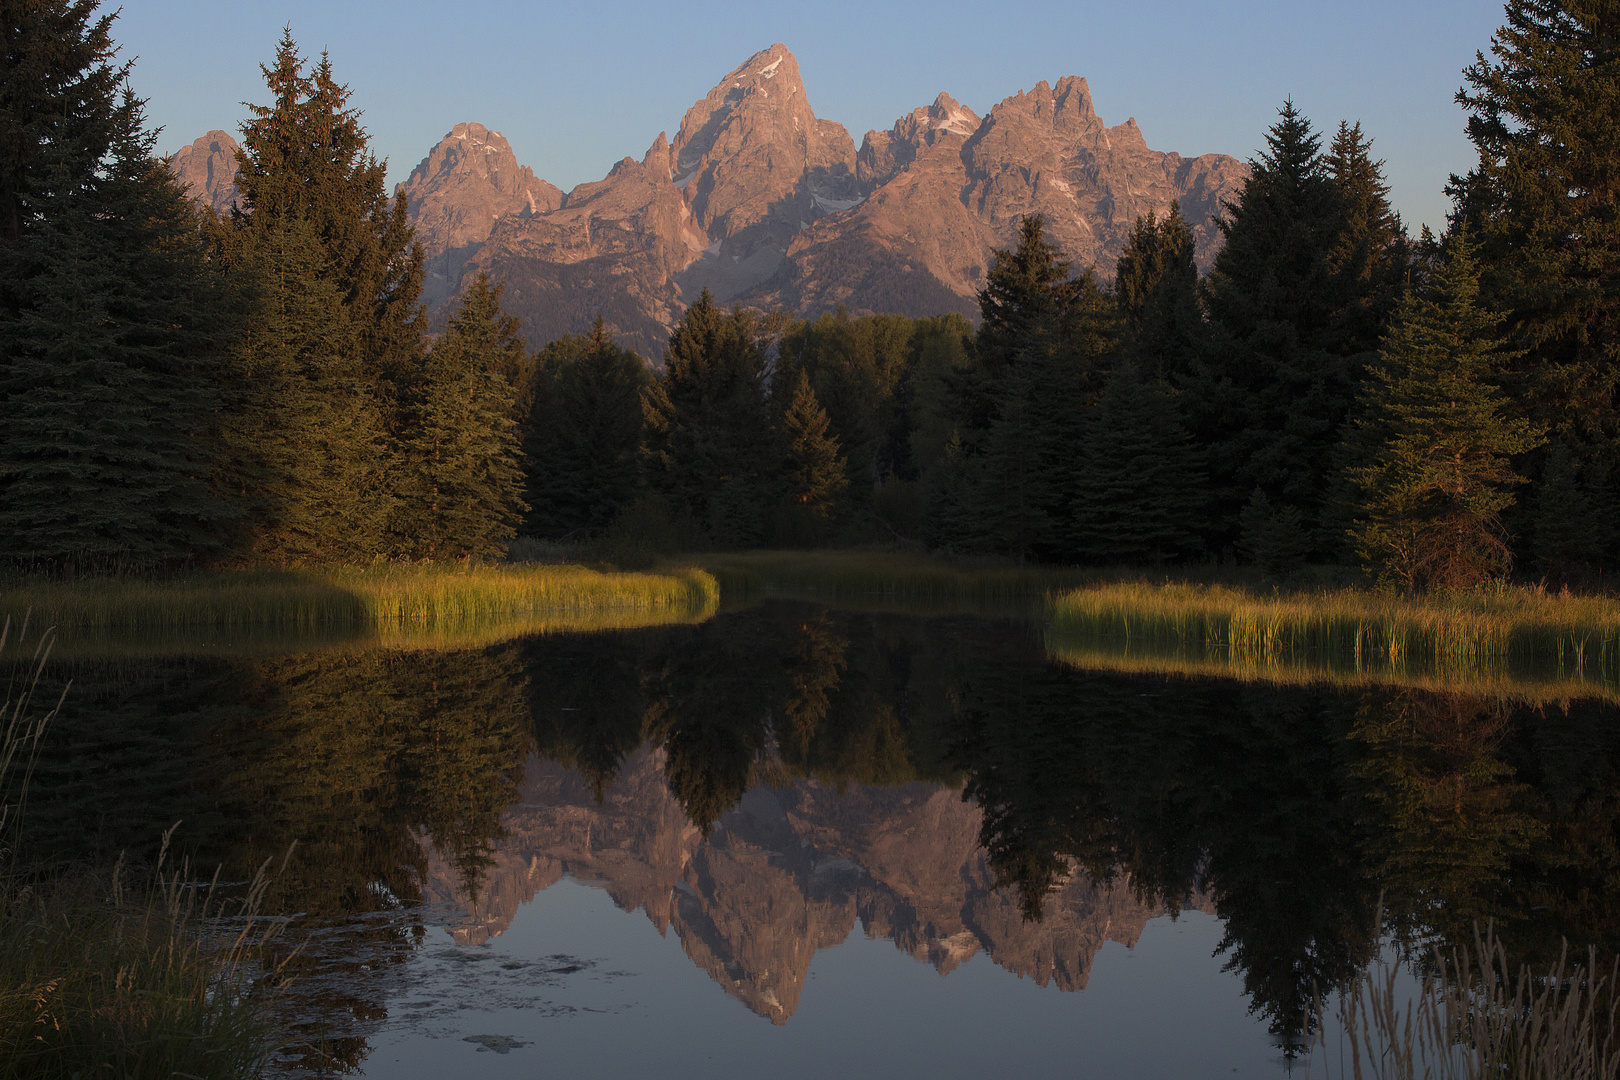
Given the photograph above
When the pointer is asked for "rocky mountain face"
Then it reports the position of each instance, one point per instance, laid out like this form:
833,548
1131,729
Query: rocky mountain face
208,170
786,873
455,196
763,203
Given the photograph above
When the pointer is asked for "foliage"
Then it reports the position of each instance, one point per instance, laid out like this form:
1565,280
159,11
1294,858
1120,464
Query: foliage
1430,453
582,436
815,465
462,492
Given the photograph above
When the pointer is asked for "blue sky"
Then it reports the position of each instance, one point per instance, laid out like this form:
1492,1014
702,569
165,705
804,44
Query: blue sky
577,86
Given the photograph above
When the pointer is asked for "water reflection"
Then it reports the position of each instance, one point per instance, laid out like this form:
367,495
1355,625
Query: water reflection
762,782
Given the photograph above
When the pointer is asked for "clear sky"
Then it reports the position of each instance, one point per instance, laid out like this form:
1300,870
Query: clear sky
577,86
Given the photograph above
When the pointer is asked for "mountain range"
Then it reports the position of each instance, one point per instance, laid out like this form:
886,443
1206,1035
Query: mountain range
765,204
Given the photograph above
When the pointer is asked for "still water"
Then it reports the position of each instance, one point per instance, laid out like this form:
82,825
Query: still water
796,841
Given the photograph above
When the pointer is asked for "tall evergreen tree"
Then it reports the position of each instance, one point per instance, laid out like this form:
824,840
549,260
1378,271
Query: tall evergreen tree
1156,287
306,156
463,458
302,438
709,445
1544,204
338,275
1294,301
111,326
582,438
815,473
1139,490
58,93
1430,455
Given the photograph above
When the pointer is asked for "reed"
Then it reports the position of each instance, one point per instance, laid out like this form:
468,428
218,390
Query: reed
1461,633
96,980
1474,1018
355,597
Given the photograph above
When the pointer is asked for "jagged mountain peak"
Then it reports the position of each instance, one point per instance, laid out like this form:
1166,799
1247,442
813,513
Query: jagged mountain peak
207,168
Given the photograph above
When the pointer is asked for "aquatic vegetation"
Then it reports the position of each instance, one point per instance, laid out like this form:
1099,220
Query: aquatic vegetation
1473,1016
371,596
1464,639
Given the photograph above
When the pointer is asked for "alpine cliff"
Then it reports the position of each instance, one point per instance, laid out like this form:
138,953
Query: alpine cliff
763,203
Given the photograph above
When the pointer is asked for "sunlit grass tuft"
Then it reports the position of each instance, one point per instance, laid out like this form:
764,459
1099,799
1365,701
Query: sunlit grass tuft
375,596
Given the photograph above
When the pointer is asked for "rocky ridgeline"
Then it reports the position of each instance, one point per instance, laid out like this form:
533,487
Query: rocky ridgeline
786,873
763,203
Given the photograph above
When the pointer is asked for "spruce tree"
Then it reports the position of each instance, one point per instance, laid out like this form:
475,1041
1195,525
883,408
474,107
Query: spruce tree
1543,203
302,439
710,448
1430,455
110,339
1294,300
1156,287
1139,493
58,94
815,469
331,257
582,437
462,497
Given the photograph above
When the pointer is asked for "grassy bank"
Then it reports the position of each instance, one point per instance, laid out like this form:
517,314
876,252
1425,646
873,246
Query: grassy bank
385,596
1460,640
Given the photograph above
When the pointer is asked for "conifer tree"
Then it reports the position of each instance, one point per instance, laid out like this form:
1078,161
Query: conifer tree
582,437
302,439
709,442
305,155
1156,287
111,324
463,460
1139,491
1430,454
1544,206
316,238
815,473
1294,300
58,94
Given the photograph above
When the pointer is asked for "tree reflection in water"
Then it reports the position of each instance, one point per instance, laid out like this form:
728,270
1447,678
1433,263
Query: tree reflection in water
1291,811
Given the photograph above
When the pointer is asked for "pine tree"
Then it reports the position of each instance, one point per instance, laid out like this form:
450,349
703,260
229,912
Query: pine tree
316,238
58,93
302,439
305,156
815,472
1156,287
582,437
1294,301
709,443
463,460
1139,491
1544,204
1430,454
110,336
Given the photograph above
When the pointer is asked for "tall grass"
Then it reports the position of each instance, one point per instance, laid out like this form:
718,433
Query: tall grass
1472,634
1474,1018
97,981
355,597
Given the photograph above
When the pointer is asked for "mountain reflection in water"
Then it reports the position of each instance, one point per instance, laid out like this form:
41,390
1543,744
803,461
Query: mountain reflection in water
761,781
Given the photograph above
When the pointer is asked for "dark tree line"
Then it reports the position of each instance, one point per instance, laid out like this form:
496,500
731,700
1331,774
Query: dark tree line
262,388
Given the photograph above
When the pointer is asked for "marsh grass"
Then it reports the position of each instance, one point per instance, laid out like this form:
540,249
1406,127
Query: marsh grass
96,980
1503,634
1473,1017
367,597
165,982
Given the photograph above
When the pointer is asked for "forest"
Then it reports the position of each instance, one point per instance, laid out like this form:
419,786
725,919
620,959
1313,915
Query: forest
186,390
